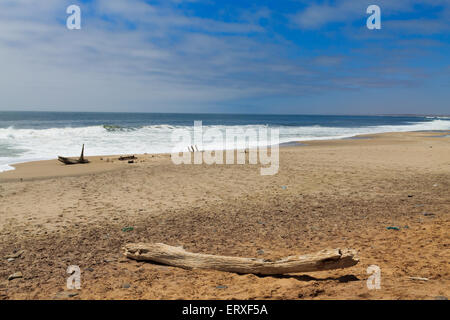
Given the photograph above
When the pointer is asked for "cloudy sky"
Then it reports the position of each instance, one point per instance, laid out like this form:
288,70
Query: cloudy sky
237,56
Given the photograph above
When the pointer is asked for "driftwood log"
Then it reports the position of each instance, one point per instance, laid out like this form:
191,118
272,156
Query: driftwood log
81,159
178,257
122,158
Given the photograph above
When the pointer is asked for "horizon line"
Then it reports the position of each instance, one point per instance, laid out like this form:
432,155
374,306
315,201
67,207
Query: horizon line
234,113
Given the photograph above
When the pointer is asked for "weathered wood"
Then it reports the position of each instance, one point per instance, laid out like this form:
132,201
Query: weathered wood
67,160
419,278
178,257
81,159
122,158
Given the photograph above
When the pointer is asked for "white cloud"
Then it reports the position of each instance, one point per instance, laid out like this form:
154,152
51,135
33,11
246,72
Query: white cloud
319,14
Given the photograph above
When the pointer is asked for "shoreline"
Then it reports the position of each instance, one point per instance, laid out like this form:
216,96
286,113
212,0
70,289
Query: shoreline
101,163
94,166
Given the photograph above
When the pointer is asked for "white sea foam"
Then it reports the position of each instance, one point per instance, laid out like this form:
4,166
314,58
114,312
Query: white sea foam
5,167
34,144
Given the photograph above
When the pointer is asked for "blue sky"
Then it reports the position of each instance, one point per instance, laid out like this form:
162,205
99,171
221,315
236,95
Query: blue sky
284,56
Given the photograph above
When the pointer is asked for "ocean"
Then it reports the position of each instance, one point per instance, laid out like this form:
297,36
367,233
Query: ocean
29,136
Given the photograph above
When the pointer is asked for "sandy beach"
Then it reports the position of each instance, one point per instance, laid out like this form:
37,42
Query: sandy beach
327,194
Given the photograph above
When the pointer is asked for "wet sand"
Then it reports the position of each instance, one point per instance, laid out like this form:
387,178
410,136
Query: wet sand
327,194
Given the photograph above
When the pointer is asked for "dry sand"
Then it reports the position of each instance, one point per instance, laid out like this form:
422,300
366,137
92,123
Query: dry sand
328,194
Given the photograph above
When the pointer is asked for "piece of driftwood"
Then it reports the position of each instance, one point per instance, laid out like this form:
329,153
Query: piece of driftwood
127,158
178,257
419,278
81,159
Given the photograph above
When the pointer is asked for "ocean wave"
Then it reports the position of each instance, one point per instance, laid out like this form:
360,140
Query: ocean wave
116,128
438,117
